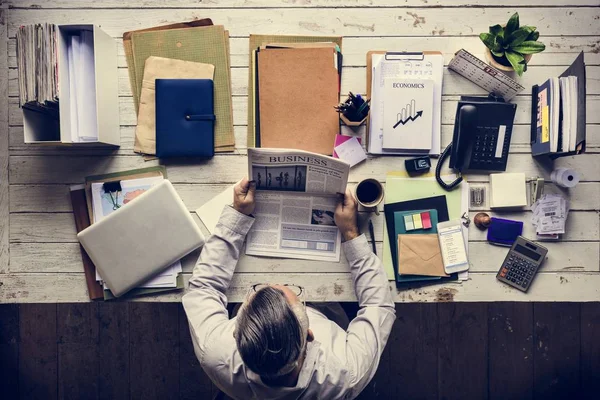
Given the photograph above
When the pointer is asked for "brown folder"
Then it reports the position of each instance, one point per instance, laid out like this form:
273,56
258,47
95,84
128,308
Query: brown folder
298,89
82,221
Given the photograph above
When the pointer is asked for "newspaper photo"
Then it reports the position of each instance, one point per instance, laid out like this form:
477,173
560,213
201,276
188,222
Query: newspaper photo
296,196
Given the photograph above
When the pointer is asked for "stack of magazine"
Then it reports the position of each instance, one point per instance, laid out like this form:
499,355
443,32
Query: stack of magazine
37,63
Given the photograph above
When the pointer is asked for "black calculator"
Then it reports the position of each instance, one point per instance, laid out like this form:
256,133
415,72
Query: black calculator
521,263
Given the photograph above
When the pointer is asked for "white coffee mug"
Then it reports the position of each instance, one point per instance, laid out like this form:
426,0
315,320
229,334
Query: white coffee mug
369,193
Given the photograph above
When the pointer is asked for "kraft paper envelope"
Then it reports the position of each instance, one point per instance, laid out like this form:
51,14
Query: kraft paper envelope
161,68
420,255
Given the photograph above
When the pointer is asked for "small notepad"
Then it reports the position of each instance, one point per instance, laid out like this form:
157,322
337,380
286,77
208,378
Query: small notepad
350,151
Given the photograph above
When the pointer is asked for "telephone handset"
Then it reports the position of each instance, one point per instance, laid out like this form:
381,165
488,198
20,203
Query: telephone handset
481,140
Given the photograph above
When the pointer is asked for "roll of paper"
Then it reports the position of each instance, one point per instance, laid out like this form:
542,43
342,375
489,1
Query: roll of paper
565,177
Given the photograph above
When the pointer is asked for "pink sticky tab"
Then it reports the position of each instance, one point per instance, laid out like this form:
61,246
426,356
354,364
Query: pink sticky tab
426,218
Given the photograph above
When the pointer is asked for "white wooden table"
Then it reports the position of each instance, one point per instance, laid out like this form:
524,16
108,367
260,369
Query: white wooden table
39,254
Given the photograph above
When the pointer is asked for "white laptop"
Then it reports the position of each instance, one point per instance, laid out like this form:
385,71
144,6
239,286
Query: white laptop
142,238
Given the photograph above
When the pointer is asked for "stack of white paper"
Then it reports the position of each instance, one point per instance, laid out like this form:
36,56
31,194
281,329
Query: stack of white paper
568,101
404,66
82,87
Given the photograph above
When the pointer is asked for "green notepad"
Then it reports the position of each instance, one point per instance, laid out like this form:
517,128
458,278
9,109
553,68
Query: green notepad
401,230
207,44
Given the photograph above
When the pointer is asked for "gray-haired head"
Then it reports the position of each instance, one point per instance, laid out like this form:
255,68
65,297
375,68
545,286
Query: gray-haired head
271,333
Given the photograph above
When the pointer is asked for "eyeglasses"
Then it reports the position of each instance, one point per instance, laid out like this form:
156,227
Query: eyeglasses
297,290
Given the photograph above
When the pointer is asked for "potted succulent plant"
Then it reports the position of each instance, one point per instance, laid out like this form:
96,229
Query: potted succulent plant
510,46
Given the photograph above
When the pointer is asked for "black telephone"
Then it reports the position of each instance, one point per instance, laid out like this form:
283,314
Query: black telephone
481,140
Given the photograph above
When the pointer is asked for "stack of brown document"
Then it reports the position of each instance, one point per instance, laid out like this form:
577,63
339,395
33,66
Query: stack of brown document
196,41
293,86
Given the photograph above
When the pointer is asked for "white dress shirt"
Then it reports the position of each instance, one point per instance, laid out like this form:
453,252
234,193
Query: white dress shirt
338,364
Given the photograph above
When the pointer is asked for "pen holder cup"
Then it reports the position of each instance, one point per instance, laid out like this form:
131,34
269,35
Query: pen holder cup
347,122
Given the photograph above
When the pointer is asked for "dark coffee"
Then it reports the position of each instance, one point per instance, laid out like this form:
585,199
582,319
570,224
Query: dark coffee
367,192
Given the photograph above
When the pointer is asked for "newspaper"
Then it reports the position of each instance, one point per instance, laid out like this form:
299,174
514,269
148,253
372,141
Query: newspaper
295,202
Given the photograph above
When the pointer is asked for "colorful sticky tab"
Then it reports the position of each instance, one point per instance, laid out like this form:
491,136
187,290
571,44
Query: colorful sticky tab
417,221
408,223
426,218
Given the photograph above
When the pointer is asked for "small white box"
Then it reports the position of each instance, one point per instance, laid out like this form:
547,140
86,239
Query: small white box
508,190
40,128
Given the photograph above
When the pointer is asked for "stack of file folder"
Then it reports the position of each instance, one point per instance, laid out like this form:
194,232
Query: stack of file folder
197,41
558,114
413,207
293,86
37,60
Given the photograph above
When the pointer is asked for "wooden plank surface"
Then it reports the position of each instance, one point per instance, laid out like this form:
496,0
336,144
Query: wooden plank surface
9,351
113,354
240,104
556,343
229,169
55,198
373,21
41,237
77,333
211,4
590,349
38,355
354,79
520,142
463,343
157,347
60,227
481,287
414,352
193,381
560,50
4,213
510,350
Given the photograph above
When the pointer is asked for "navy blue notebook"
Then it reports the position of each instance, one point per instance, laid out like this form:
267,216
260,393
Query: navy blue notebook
185,118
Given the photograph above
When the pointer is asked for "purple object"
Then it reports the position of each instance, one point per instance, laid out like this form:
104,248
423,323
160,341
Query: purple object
504,231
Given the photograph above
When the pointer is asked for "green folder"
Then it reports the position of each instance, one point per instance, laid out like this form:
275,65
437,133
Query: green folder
205,44
400,229
399,187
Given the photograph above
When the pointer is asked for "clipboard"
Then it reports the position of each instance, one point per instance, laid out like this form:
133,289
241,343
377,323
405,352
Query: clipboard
406,56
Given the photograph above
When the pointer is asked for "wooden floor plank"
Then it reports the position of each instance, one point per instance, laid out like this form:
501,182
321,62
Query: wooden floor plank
381,386
77,331
463,351
113,351
9,351
557,335
154,351
414,352
193,381
590,350
510,350
38,359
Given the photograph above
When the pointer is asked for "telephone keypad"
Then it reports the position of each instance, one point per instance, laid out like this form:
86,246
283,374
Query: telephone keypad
484,149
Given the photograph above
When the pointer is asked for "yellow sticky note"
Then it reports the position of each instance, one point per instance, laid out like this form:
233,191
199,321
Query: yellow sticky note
417,221
545,124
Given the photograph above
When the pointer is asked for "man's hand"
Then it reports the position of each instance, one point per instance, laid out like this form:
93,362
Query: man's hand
346,217
243,196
